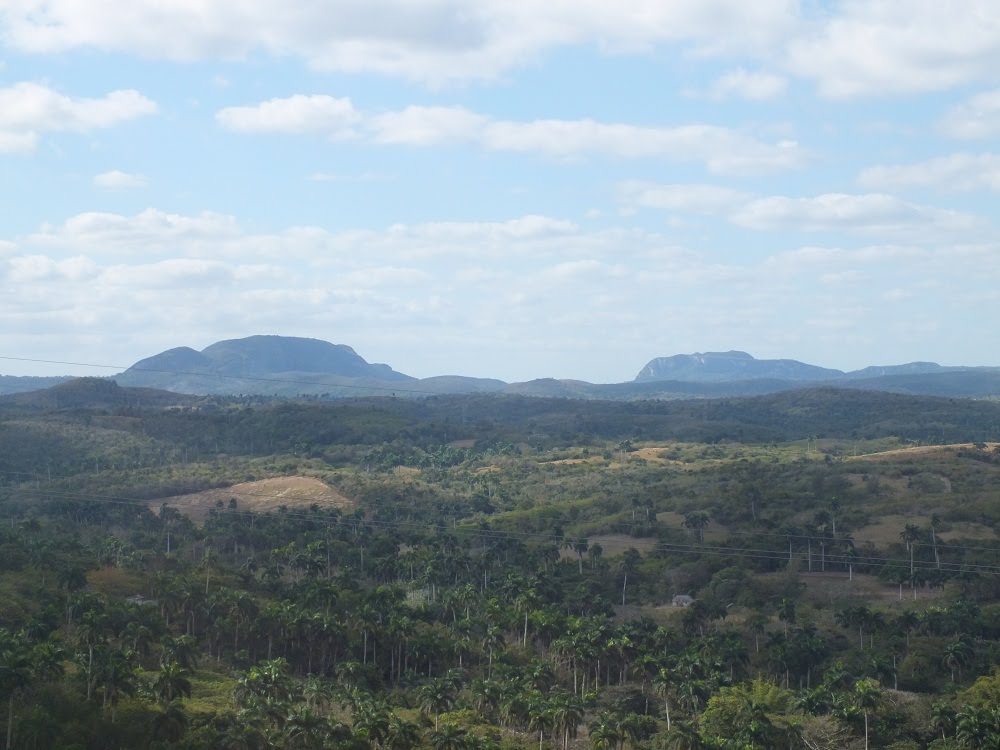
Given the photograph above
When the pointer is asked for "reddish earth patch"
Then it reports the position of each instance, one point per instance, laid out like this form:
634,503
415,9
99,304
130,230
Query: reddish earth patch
260,497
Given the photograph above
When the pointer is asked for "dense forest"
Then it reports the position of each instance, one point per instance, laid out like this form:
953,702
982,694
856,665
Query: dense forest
814,569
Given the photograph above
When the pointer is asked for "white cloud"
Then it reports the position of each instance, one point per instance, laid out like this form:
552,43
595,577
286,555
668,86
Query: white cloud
130,283
888,47
723,150
683,198
28,109
850,48
325,115
871,212
977,117
152,230
947,173
744,84
118,180
435,40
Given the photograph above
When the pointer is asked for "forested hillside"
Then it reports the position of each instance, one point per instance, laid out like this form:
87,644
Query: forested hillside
817,569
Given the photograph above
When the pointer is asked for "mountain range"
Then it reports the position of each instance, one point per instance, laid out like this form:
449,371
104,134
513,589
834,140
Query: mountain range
711,367
291,366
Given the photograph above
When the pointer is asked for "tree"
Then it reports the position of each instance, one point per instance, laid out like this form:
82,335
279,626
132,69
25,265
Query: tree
956,655
629,562
449,737
754,715
436,697
696,520
15,674
172,683
867,697
171,722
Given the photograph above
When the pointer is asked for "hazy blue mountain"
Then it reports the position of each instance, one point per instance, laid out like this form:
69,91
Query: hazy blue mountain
277,365
911,368
91,393
728,366
737,367
25,383
286,366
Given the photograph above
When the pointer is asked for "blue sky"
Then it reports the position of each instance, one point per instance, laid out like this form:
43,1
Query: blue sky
503,188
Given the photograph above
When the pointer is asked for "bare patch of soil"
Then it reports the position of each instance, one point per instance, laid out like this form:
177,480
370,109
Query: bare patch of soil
260,497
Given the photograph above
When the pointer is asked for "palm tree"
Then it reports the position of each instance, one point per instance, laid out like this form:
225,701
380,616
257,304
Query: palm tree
436,697
401,734
682,736
492,641
629,562
663,684
604,732
172,683
567,713
305,730
910,535
116,676
943,718
696,520
449,737
15,674
867,697
956,655
171,722
978,727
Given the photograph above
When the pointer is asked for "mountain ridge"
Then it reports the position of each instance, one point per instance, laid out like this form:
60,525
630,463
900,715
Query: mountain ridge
284,366
704,367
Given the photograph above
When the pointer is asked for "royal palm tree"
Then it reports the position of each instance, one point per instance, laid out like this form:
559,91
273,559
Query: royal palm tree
867,698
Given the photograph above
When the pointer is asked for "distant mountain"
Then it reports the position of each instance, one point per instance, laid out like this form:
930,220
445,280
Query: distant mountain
716,367
24,383
276,365
283,366
92,393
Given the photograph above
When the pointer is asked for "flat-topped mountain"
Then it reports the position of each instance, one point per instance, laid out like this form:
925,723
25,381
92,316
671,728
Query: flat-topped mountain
286,366
232,365
727,366
717,367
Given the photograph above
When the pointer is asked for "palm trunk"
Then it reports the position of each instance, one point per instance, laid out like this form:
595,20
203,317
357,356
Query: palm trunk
10,719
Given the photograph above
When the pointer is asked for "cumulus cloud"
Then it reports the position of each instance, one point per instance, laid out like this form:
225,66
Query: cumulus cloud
152,230
29,109
955,172
977,117
723,150
683,198
886,47
118,180
871,212
745,84
867,213
479,288
434,41
850,48
296,114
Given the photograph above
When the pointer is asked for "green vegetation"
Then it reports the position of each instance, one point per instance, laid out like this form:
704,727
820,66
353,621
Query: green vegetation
503,574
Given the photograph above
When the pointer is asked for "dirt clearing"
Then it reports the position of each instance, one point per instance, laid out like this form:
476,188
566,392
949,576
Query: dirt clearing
260,497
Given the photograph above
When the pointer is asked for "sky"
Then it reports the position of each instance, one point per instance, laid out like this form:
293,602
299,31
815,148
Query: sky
501,188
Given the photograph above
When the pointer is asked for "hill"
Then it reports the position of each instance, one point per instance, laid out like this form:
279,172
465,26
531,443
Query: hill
274,365
22,383
91,393
733,365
